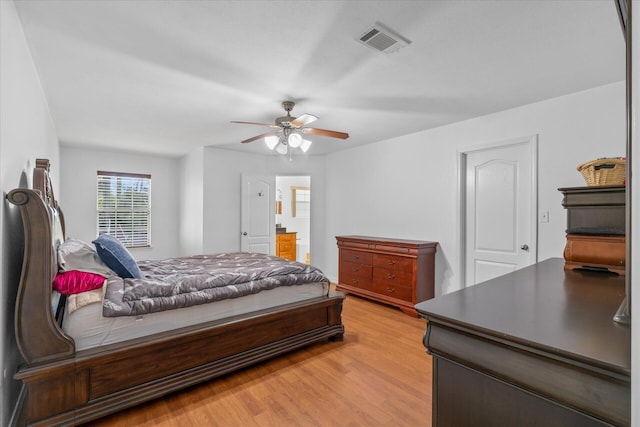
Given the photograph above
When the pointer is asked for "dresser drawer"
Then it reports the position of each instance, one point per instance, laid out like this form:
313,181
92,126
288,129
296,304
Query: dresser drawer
356,256
286,237
393,277
355,269
393,290
286,246
290,255
393,262
361,282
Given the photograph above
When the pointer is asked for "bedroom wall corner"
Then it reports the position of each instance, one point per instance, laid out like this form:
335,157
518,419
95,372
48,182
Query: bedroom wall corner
191,195
27,132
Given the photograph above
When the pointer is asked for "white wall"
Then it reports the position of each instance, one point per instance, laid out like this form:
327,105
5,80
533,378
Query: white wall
223,171
191,200
26,133
406,187
78,178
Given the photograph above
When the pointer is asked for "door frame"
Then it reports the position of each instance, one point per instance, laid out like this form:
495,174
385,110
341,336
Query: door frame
461,162
302,175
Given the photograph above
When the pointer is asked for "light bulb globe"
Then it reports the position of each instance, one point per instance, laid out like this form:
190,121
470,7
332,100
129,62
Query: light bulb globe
304,146
295,140
282,149
271,141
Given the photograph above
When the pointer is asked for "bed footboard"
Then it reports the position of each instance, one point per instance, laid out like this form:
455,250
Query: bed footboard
105,380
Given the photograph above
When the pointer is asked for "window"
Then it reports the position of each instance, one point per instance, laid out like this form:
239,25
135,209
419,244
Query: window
300,202
124,207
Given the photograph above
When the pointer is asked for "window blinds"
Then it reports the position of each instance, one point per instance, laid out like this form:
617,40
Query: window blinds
303,203
124,207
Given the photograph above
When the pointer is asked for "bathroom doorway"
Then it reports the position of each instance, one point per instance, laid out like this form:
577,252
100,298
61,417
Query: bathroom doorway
293,217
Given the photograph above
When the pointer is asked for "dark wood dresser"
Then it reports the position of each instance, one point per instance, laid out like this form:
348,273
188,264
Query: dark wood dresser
393,271
595,227
536,347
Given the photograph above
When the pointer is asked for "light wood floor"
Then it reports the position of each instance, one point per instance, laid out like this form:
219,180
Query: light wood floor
379,375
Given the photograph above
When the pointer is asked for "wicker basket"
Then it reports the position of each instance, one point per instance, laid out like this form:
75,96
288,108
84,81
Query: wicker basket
605,171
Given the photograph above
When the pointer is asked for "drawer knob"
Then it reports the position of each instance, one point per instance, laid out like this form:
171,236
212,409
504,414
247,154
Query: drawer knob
356,257
355,281
391,290
391,262
391,276
355,269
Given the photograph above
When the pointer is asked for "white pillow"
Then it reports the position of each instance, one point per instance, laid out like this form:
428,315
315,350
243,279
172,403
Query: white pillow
77,255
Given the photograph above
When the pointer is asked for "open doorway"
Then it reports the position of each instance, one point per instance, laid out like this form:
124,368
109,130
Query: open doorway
293,217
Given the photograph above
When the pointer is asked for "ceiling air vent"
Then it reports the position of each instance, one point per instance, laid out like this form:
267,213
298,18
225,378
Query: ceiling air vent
382,39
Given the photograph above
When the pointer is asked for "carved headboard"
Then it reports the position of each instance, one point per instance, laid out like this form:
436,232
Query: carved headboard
38,335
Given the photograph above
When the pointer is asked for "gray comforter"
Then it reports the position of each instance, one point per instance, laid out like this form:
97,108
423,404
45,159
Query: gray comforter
182,282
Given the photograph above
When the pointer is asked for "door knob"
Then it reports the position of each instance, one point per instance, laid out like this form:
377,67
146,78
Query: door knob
524,247
244,233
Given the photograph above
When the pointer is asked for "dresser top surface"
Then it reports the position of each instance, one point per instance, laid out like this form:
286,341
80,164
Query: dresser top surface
593,189
594,196
544,307
385,240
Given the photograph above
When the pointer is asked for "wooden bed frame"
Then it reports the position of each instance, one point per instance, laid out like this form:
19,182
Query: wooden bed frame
67,387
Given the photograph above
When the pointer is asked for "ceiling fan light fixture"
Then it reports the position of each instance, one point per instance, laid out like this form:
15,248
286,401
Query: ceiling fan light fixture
289,132
295,140
304,146
282,149
271,141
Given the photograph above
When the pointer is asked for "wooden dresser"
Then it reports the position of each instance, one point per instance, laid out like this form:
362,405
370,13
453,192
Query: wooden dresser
595,227
286,245
536,347
393,271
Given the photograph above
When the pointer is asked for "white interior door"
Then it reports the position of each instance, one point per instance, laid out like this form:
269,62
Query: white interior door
500,210
258,226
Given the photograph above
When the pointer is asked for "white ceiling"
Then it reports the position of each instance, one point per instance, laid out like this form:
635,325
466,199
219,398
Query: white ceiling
165,77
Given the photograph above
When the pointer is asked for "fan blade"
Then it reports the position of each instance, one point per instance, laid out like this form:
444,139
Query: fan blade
303,120
259,124
325,132
273,132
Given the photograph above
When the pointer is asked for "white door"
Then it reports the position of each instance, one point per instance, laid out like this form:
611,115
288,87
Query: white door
257,222
500,210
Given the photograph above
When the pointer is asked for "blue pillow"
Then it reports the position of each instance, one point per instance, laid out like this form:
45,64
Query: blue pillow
117,257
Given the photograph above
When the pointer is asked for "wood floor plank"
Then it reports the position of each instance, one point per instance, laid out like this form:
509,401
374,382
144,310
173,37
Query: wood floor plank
380,375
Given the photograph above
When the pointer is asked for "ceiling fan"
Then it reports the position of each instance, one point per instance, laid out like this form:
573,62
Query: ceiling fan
288,131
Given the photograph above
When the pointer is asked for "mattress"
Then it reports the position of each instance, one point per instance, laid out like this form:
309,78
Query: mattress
89,328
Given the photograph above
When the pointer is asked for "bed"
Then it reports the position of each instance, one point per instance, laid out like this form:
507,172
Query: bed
71,376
